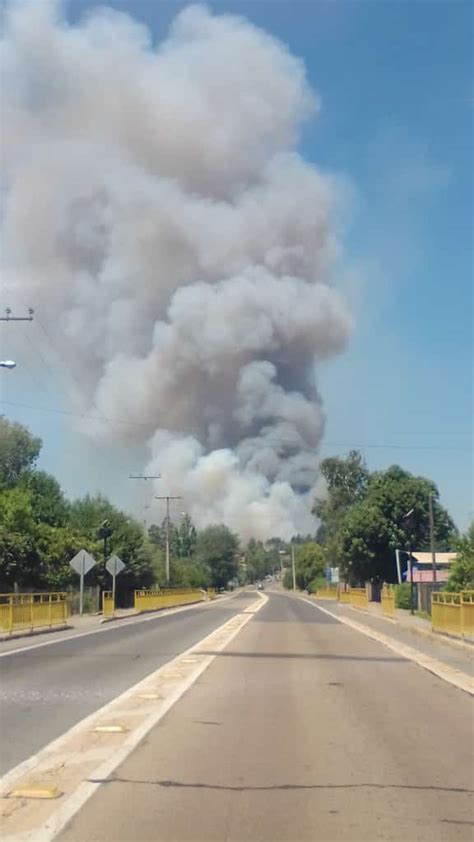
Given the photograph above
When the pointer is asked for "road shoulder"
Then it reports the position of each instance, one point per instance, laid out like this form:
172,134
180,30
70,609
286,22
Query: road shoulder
429,655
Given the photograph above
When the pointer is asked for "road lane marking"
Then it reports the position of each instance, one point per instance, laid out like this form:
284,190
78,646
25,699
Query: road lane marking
111,626
79,761
453,676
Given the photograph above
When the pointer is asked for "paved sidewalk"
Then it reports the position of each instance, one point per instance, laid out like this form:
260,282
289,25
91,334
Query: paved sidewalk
411,630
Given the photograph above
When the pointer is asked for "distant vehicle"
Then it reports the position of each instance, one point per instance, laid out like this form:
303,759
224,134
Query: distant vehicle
260,587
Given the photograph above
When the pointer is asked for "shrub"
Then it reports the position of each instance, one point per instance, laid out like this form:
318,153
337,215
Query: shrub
317,584
403,596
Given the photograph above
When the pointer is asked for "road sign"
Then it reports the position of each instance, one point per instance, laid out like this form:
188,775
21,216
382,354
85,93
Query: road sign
114,565
82,563
334,575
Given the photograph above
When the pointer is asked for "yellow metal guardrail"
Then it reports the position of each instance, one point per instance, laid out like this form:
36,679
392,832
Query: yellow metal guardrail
32,610
387,601
108,606
453,613
211,592
344,596
359,598
151,600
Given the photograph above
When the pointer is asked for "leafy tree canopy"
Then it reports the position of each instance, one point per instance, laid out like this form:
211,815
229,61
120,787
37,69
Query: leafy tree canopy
462,571
347,479
19,451
375,526
217,547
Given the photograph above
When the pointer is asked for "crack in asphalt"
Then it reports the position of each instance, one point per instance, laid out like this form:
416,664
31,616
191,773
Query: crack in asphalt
168,784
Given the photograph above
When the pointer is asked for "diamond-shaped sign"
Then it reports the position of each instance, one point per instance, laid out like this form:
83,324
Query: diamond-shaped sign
114,565
82,562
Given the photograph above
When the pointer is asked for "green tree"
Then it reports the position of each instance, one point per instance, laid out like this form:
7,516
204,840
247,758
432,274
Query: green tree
185,537
216,548
259,560
126,540
33,553
19,451
47,499
346,482
309,564
375,526
461,577
156,536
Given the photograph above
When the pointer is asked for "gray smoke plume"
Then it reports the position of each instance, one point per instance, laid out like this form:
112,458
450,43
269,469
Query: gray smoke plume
154,201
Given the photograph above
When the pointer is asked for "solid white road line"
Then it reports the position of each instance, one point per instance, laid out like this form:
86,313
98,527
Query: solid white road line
453,676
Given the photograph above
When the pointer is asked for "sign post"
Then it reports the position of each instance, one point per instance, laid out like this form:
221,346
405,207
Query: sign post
82,563
114,566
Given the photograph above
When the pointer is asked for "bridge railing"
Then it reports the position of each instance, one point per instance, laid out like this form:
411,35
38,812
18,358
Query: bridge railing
152,600
453,613
32,610
387,600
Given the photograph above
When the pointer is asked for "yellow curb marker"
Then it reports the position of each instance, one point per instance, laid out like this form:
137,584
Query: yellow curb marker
44,792
110,729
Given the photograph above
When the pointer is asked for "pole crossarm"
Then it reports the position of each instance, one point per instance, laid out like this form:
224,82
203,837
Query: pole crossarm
8,317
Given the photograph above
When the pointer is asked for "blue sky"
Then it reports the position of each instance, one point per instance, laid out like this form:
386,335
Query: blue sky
395,80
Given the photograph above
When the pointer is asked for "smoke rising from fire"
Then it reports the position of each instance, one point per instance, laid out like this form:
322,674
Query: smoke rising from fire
155,201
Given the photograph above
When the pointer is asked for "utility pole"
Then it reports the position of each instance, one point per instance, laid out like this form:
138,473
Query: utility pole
409,520
9,318
293,565
167,497
281,553
432,538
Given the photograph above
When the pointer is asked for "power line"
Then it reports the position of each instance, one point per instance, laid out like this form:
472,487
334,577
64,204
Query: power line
354,445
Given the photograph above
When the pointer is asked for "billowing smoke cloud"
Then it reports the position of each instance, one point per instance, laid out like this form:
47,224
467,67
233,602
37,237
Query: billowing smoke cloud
156,204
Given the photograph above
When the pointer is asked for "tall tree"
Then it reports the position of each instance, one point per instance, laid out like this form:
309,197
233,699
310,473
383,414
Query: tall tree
19,451
461,576
375,526
47,499
126,539
309,563
217,548
346,482
259,560
185,537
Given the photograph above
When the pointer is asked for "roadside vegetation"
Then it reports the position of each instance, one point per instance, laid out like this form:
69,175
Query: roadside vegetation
362,524
360,516
40,531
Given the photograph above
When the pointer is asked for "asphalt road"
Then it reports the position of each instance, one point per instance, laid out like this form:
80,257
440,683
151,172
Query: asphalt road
48,688
301,729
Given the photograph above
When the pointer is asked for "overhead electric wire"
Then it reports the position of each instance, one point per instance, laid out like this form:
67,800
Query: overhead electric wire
358,446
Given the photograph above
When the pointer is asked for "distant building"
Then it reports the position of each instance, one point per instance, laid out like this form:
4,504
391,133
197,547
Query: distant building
423,566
